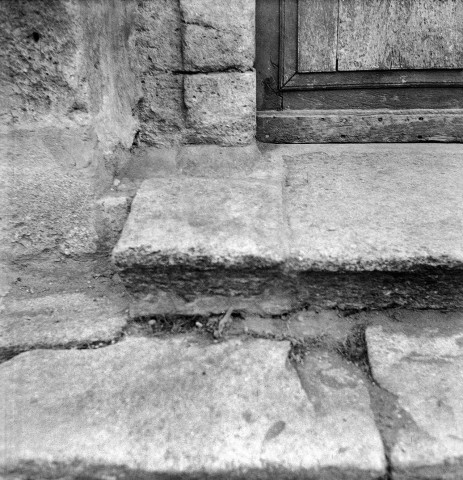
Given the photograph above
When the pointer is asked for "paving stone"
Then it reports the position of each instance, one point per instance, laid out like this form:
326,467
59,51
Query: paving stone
221,107
420,360
340,401
366,208
214,41
60,320
180,228
177,407
324,325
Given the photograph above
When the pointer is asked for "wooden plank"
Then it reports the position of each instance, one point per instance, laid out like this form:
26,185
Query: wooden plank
375,79
360,126
288,40
267,43
405,34
387,98
317,35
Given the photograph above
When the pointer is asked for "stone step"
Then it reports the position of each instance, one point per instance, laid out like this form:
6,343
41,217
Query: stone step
367,225
187,406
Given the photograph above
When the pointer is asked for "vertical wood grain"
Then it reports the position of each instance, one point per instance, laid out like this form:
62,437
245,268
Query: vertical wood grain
400,34
317,35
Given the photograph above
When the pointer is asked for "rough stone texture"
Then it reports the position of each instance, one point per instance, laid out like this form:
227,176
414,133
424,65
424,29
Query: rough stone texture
221,107
340,401
51,178
324,190
62,320
369,207
180,228
419,359
69,63
218,35
161,110
157,46
66,97
150,302
324,326
175,407
111,214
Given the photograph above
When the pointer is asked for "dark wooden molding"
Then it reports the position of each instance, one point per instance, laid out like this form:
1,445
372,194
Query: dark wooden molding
356,126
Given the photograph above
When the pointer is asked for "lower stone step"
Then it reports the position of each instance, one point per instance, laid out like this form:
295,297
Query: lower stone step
362,225
179,407
190,407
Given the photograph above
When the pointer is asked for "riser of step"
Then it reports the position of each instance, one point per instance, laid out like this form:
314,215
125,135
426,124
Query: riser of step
372,225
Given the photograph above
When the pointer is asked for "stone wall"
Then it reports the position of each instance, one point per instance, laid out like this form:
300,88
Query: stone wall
67,95
85,80
195,60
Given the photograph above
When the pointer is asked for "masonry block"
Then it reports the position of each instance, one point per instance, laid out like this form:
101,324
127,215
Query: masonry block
218,35
221,107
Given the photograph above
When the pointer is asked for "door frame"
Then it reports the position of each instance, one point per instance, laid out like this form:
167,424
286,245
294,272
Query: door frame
350,107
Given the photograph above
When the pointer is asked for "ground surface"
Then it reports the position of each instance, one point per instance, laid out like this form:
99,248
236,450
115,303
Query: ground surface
319,392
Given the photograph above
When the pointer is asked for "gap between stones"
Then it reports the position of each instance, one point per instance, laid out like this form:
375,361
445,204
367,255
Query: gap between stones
7,354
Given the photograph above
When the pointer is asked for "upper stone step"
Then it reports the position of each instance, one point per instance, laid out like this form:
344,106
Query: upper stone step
295,209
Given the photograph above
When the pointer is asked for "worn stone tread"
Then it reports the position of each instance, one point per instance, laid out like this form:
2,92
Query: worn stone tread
220,227
180,406
60,320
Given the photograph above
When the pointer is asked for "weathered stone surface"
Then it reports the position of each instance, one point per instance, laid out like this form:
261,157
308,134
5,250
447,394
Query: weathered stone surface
245,161
369,207
181,227
50,179
221,107
111,215
323,326
157,39
176,407
218,35
68,63
72,319
341,405
161,110
271,302
420,360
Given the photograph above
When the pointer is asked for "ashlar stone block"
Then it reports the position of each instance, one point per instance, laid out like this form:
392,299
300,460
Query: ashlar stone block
218,35
221,107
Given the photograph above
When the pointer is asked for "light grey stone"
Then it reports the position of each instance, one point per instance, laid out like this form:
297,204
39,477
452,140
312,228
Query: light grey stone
161,110
420,360
245,161
371,207
340,401
229,228
50,178
67,64
218,35
111,215
324,326
176,407
66,319
221,107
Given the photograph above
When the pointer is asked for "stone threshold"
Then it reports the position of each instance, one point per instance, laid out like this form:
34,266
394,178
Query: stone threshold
370,225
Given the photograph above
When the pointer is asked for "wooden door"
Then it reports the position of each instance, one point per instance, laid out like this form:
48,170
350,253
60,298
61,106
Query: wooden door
359,70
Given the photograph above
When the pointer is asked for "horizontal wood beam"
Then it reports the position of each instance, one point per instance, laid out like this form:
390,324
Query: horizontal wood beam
360,126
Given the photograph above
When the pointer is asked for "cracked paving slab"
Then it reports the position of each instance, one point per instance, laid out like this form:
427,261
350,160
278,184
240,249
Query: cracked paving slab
420,360
61,320
181,406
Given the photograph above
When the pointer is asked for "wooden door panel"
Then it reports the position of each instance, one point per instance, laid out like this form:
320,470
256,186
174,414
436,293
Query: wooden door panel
317,35
400,34
402,79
